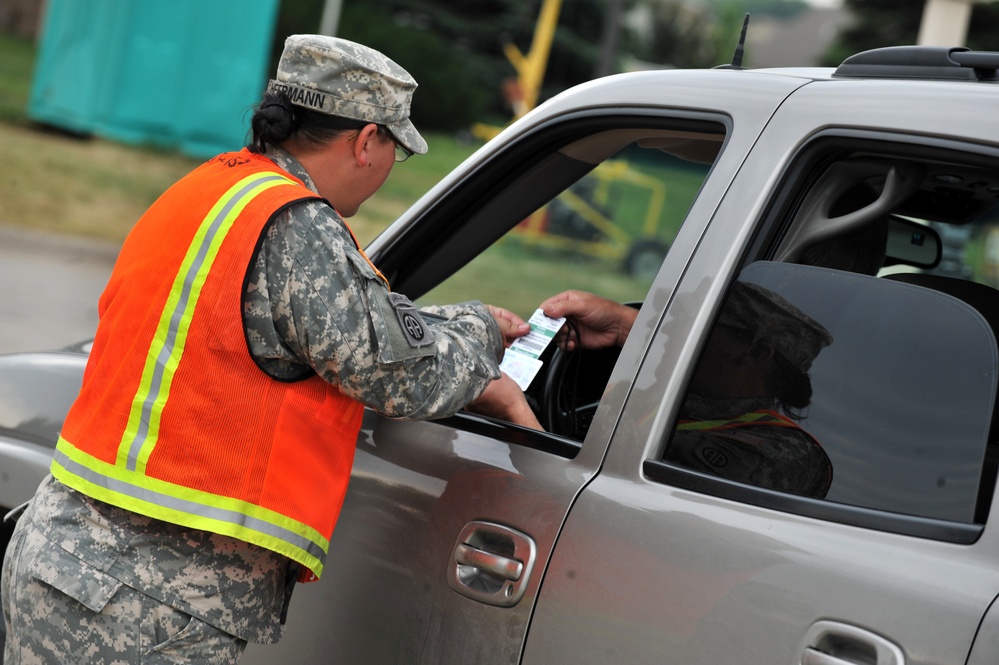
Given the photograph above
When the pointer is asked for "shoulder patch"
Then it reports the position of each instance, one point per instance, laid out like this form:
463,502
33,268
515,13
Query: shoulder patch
413,326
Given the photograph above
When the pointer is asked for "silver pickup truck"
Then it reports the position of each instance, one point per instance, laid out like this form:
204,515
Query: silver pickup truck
844,522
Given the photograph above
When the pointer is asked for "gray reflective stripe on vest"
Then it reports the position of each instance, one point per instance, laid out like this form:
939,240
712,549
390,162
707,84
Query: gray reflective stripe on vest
177,315
168,501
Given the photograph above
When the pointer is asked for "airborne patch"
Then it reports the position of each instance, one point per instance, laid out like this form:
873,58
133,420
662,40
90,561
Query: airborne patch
413,326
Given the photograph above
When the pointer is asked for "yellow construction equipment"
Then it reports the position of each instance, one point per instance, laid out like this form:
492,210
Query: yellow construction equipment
581,219
523,91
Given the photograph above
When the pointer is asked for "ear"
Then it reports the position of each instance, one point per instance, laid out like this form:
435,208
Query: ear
363,144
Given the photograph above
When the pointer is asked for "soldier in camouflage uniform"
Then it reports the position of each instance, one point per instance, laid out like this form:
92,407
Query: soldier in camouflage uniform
88,582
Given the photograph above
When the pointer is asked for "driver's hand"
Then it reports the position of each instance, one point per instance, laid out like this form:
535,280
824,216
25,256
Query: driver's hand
511,325
504,399
601,322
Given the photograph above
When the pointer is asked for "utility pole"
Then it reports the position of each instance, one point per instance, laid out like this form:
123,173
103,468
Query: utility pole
522,92
608,45
530,68
945,22
330,20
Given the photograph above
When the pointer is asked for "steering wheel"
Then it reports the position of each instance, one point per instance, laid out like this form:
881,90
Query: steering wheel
572,388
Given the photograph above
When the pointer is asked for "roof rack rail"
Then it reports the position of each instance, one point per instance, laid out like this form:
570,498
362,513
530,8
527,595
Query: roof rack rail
922,62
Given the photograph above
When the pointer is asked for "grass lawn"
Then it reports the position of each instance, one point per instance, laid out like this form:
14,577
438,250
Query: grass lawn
97,188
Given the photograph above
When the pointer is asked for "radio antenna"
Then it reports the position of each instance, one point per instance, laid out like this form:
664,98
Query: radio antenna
737,56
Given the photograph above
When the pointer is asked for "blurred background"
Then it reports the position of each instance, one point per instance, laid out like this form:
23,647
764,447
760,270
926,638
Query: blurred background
104,103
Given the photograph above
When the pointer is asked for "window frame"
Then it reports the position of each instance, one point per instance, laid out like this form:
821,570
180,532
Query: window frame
494,177
763,244
403,258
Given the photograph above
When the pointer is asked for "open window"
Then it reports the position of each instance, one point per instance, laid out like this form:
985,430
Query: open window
596,209
599,214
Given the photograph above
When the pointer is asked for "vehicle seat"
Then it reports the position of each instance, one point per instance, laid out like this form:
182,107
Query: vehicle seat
985,299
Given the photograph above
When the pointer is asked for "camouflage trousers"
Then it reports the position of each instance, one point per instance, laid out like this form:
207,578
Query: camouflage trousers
56,613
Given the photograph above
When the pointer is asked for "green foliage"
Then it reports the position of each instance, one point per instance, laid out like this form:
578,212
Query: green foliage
295,17
456,59
455,49
454,84
983,32
688,34
17,57
775,8
681,35
875,23
576,48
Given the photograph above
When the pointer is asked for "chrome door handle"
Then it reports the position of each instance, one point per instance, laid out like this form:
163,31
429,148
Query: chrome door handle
500,566
492,563
815,657
835,643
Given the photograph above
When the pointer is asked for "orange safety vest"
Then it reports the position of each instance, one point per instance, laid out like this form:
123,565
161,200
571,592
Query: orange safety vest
175,420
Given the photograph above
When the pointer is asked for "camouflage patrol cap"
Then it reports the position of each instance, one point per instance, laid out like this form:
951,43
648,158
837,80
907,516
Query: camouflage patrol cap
769,317
346,79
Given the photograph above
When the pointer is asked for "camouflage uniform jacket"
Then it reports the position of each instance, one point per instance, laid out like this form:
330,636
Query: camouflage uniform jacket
312,304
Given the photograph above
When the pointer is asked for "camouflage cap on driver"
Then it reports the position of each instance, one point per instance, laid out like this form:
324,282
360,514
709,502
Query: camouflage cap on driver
343,78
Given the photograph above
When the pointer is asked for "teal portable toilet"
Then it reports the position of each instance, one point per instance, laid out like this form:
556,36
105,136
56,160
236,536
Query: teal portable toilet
172,73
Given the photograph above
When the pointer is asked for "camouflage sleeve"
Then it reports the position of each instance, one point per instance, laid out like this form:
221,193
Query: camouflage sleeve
314,301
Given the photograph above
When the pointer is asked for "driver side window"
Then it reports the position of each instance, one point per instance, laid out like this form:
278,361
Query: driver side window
612,202
606,231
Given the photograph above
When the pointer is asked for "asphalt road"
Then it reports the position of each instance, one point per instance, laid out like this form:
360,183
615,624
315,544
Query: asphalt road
50,286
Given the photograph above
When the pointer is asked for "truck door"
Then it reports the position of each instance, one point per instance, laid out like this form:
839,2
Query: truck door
845,523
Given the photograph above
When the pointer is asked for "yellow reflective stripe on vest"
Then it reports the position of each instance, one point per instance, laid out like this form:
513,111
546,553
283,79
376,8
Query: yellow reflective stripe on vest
142,430
188,507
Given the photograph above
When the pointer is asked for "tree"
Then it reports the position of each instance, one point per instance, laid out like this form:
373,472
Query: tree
775,8
21,18
680,35
455,77
456,49
695,34
879,23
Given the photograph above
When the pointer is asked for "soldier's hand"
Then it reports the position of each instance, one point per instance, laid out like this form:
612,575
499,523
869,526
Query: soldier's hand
504,399
511,325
